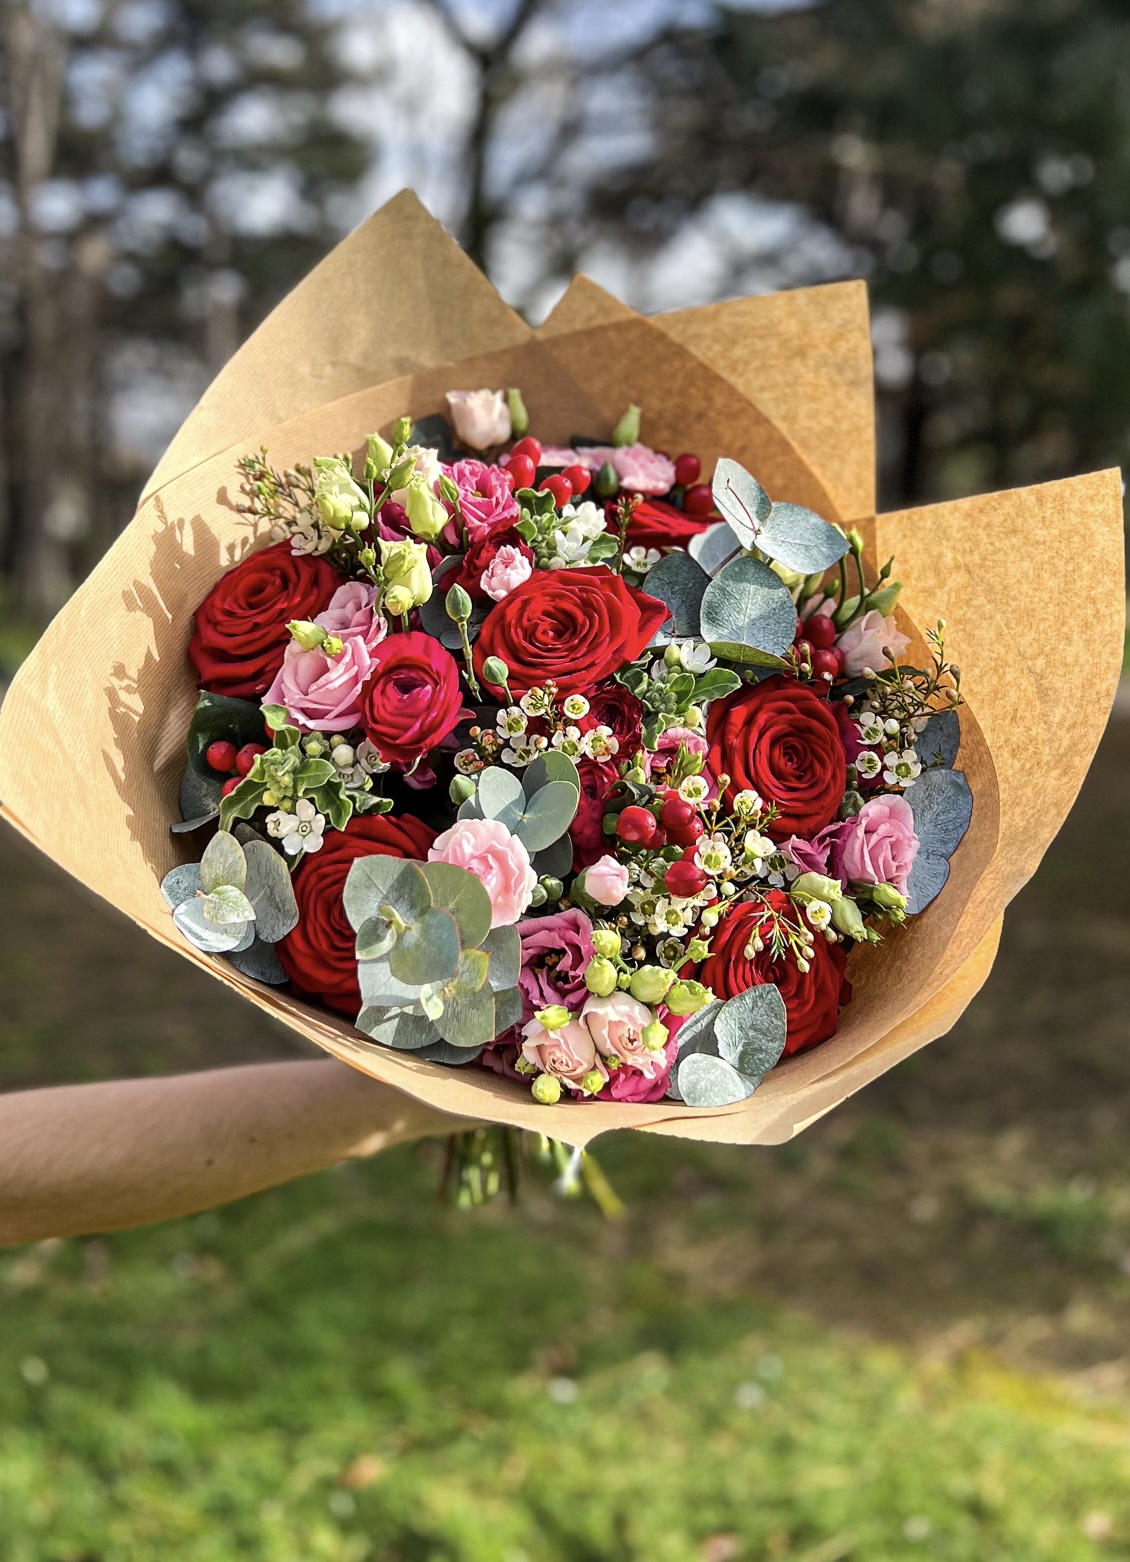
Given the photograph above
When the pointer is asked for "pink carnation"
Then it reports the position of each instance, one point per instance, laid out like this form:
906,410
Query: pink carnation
877,846
505,573
322,693
487,849
485,499
866,643
568,1053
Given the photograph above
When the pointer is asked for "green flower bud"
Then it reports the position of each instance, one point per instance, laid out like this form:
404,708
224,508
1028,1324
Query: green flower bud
426,515
600,977
593,1082
607,482
495,671
341,502
606,942
671,656
378,456
553,1017
367,557
651,983
310,636
406,573
654,1036
791,577
457,604
554,889
401,474
887,896
332,646
398,601
538,896
698,949
402,431
627,431
693,716
846,918
546,1090
883,600
817,887
855,541
449,488
461,790
688,998
519,417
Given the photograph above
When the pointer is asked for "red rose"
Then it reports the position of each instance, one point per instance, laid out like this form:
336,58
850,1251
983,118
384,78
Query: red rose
616,707
241,631
411,700
586,832
780,740
318,955
659,525
813,998
576,626
479,555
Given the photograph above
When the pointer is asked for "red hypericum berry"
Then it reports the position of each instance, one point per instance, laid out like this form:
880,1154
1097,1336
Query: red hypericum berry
221,756
826,664
578,477
820,629
684,878
637,826
230,785
687,469
688,834
508,474
523,469
560,487
676,812
698,500
527,447
247,756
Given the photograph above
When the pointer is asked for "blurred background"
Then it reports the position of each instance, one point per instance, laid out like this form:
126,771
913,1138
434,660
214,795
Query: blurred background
904,1335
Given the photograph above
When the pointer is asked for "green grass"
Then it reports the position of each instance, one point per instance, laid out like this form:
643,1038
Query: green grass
341,1370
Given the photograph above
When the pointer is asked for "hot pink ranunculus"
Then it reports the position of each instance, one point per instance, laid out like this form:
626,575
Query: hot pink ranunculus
485,499
877,846
616,1026
349,615
322,693
606,881
487,849
568,1053
555,953
866,642
505,573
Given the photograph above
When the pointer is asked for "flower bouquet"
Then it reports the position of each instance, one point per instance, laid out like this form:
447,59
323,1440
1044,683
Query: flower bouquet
556,779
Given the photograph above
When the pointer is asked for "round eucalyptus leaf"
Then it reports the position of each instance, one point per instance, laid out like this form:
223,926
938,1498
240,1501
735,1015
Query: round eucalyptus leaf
942,805
556,860
227,905
409,893
260,962
186,826
223,862
400,1031
470,809
367,886
696,1033
270,891
380,989
714,546
199,795
680,582
801,540
213,938
427,950
704,1080
375,938
471,977
747,603
548,815
446,1052
741,500
507,1009
750,1030
938,742
468,1019
552,766
500,795
181,884
454,889
503,946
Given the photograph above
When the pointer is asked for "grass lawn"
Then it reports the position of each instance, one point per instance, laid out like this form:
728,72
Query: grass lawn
903,1336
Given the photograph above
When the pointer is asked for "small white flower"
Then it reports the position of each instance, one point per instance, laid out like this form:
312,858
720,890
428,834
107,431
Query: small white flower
575,707
713,854
519,754
668,917
343,757
511,722
695,657
642,559
819,913
695,789
870,727
757,846
587,518
572,545
748,802
600,744
891,727
568,741
868,764
427,466
300,831
535,703
902,769
308,536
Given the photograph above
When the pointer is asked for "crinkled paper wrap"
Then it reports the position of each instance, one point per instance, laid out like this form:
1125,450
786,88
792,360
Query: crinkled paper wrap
92,731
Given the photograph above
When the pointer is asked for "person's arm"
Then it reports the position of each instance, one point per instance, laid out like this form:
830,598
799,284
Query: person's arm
83,1158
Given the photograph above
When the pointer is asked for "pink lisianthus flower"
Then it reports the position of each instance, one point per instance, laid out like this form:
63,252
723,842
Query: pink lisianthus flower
640,469
606,881
322,693
349,615
630,1084
568,1053
866,643
485,499
498,859
509,569
481,417
556,951
616,1025
877,846
810,856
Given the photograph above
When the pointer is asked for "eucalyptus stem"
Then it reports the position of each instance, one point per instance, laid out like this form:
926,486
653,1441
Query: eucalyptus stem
472,681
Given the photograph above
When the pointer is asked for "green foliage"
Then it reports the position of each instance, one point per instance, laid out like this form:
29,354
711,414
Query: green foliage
212,910
725,1048
750,605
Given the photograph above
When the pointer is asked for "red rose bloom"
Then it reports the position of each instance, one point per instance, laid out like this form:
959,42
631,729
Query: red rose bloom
586,832
616,707
241,632
318,955
658,525
813,998
576,626
780,740
411,700
479,556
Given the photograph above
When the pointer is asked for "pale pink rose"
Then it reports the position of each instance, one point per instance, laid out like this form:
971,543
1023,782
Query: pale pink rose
485,499
606,881
866,642
505,573
616,1026
569,1053
877,846
322,693
629,1084
487,849
481,417
349,615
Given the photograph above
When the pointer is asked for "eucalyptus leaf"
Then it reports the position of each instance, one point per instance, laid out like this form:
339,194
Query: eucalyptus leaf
504,947
380,989
434,621
747,656
260,962
435,433
409,894
375,938
187,826
556,860
446,1052
454,889
942,805
801,540
507,1009
704,1080
748,604
227,905
223,862
750,1030
213,938
680,582
741,500
367,886
181,884
696,1033
500,795
470,809
549,813
938,742
427,950
714,546
471,977
401,1031
199,795
552,766
270,891
468,1019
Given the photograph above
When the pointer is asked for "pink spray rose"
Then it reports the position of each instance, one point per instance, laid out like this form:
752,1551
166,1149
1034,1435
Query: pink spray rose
555,952
487,849
606,881
877,846
322,693
628,1084
484,496
505,573
866,642
616,1026
349,615
568,1053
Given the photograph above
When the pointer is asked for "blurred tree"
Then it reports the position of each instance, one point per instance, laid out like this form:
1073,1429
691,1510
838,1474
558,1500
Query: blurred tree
169,169
974,155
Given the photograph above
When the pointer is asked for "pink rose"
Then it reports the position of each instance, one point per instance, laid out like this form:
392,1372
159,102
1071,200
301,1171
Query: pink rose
555,953
569,1053
877,846
505,572
606,881
323,693
629,1084
866,643
481,417
616,1025
487,849
484,496
349,615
